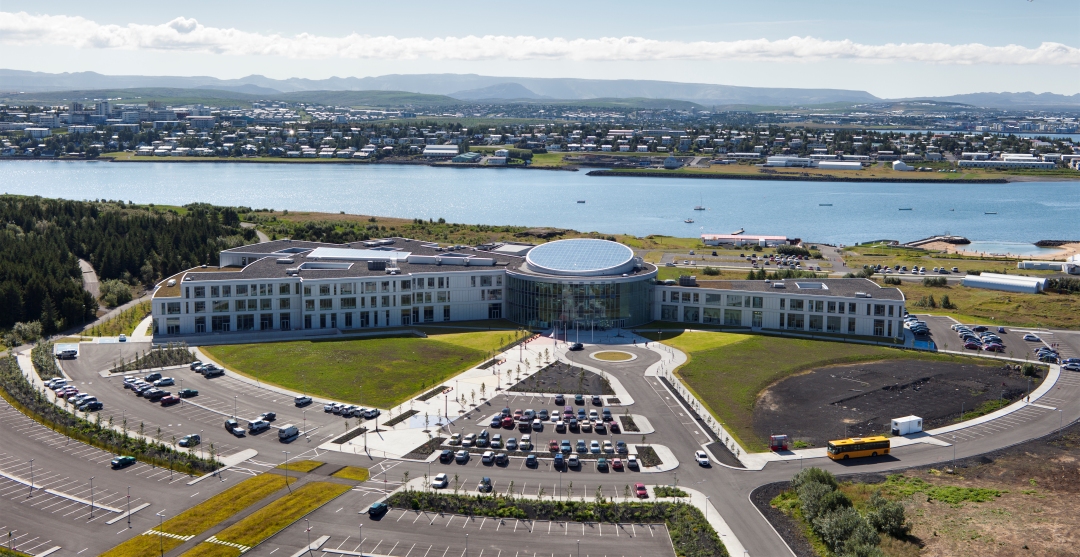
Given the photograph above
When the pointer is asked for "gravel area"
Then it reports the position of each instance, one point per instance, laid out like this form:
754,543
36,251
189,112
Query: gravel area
561,378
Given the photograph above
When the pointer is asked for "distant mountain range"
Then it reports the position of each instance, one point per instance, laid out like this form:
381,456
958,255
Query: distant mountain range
472,88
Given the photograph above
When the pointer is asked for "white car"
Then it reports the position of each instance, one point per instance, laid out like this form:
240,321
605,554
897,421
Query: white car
1032,338
702,458
608,447
488,457
440,481
526,442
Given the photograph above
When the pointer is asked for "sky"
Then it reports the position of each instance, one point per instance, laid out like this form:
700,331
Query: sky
917,48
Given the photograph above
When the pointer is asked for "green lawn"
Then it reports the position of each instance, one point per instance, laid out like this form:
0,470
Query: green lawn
975,305
727,372
300,465
380,372
124,323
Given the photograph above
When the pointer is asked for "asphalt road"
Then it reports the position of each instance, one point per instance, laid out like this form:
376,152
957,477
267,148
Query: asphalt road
406,533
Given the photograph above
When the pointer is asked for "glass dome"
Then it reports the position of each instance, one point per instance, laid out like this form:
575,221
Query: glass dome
582,257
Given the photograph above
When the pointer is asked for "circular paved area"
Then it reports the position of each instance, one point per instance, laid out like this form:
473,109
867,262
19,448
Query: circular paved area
613,356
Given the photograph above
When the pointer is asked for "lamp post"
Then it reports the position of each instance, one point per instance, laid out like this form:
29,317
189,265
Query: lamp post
579,548
91,497
31,479
161,534
234,407
287,471
706,508
466,545
954,453
306,436
308,530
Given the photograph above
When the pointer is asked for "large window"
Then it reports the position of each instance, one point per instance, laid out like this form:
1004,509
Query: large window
283,289
712,315
220,323
284,303
241,290
172,308
602,305
200,307
733,317
221,306
879,327
833,324
485,280
245,322
796,305
200,291
796,321
816,323
851,325
669,313
879,310
758,302
309,305
241,305
734,300
350,303
326,304
324,289
690,314
713,299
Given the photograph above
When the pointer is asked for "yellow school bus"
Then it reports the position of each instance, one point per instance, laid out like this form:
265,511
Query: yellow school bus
855,447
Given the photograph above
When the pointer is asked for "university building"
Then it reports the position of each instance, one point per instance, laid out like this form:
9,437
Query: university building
583,283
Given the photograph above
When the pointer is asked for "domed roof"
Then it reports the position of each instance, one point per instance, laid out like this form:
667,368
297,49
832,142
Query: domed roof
581,257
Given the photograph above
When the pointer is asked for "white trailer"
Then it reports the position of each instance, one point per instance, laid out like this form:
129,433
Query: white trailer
906,425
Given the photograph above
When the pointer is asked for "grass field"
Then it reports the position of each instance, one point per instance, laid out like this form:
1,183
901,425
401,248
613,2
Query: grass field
124,323
380,372
225,504
300,465
352,473
999,308
268,520
727,372
611,356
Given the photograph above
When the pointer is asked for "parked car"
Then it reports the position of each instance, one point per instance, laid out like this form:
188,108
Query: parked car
122,461
526,443
169,400
446,455
302,400
601,463
268,416
553,446
560,400
152,377
189,440
485,485
238,432
440,481
462,456
487,458
258,426
164,382
631,462
608,447
1071,366
187,393
640,490
377,509
531,461
702,458
496,421
123,337
616,464
1032,338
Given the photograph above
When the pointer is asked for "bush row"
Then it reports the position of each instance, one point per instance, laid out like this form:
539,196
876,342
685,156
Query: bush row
691,534
171,354
844,530
44,359
21,394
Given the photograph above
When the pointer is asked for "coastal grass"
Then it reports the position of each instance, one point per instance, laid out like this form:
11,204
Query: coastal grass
993,307
207,549
727,372
475,340
124,323
203,516
303,466
143,545
380,372
355,473
275,516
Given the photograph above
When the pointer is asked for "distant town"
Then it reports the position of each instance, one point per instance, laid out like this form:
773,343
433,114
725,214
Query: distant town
844,140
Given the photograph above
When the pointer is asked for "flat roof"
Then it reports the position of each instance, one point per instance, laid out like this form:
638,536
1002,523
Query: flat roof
351,254
838,287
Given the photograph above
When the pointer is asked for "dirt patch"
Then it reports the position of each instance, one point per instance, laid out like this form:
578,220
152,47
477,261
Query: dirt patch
628,424
562,378
647,455
862,399
425,450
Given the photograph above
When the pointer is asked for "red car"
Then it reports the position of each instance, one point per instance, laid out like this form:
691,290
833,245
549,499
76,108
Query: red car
518,413
616,464
972,345
553,446
641,491
994,348
614,427
508,422
169,400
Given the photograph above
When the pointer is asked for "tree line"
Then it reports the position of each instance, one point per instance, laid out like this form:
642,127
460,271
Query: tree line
42,240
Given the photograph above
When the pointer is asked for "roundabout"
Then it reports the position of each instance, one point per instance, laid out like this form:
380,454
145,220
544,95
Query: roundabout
613,356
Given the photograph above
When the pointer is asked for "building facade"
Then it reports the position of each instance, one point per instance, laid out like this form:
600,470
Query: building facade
579,283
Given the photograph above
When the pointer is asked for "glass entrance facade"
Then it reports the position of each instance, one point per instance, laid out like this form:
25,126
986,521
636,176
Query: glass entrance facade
542,303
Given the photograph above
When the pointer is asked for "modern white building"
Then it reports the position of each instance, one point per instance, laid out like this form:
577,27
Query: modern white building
584,283
441,151
1008,164
1007,283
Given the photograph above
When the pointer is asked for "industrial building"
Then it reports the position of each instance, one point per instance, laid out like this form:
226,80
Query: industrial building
1006,283
744,240
583,283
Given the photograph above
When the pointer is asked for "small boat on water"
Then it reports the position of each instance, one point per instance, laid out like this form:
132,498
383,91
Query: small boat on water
824,204
699,208
990,213
689,221
905,208
581,201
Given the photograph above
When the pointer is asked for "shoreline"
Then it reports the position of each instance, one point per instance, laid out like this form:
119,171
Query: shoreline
572,168
788,178
1063,252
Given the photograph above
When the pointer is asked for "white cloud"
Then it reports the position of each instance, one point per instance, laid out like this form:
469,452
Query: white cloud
186,34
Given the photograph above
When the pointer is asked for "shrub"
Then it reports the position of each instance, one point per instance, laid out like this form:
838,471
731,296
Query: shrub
946,303
813,474
115,293
711,271
844,526
887,516
891,280
934,281
792,250
811,495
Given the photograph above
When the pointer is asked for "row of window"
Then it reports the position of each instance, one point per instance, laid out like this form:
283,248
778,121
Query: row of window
791,321
794,304
335,288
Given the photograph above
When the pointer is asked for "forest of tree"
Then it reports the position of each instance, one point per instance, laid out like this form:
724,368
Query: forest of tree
42,240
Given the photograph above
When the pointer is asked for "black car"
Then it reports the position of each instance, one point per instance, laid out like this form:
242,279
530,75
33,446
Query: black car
268,416
560,400
446,455
152,377
231,424
596,400
577,346
377,509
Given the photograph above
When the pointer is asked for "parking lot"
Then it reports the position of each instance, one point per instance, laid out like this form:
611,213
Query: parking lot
58,512
407,533
219,398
